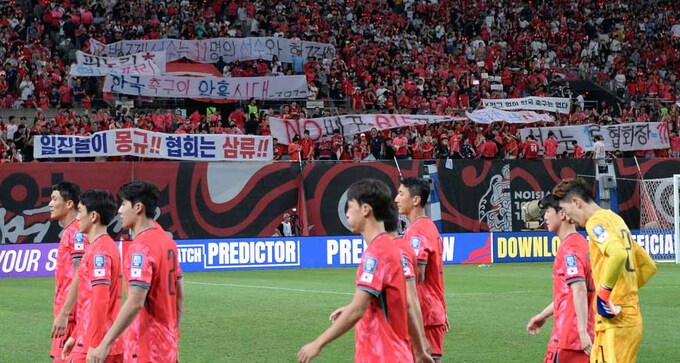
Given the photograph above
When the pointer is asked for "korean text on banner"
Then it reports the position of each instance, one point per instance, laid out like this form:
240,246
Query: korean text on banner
551,104
148,144
211,50
490,115
244,88
157,58
624,137
285,129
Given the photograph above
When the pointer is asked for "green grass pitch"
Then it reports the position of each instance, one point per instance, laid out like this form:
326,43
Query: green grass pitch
266,316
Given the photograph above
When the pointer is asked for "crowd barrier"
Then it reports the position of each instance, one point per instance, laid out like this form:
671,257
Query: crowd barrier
201,255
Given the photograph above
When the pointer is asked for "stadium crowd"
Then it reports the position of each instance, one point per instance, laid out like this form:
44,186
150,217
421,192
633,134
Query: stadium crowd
407,57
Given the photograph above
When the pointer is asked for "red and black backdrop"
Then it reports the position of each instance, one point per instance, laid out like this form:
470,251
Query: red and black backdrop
204,200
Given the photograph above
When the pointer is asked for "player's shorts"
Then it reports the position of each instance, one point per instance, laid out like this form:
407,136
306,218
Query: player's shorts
435,336
616,345
556,355
58,343
82,358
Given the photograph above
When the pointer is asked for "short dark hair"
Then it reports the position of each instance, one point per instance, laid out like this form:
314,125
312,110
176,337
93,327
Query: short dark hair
418,187
140,191
549,202
392,223
374,193
68,191
100,201
571,187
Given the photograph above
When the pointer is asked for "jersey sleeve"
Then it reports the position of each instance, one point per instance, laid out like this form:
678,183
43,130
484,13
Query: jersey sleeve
574,265
422,246
371,274
101,268
646,267
138,266
77,244
607,240
408,266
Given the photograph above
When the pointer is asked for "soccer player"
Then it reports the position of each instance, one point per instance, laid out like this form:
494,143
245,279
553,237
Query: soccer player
409,261
379,307
155,293
63,208
573,292
620,268
100,286
425,240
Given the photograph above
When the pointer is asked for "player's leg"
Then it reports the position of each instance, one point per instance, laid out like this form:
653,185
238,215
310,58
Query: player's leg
627,341
435,336
603,348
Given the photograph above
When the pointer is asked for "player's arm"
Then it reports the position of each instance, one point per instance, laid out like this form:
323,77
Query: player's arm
580,298
607,240
645,267
180,299
128,313
416,329
536,322
350,316
61,320
97,315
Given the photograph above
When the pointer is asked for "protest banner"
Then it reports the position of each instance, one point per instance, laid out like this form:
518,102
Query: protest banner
550,104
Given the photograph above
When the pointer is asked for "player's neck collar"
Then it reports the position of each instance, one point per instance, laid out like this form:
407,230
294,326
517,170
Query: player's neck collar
70,222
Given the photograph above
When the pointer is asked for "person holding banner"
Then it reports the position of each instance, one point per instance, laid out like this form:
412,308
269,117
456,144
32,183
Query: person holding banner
571,339
620,268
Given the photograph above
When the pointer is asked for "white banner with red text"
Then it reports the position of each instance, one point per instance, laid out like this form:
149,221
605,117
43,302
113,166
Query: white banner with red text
158,145
243,88
534,103
284,129
144,68
623,137
157,58
491,115
231,50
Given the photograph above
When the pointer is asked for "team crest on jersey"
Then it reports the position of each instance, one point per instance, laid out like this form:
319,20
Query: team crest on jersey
404,265
136,268
79,241
99,266
570,261
370,264
600,233
415,243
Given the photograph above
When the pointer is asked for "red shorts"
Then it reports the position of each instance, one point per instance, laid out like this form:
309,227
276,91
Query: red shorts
58,343
435,336
555,354
81,357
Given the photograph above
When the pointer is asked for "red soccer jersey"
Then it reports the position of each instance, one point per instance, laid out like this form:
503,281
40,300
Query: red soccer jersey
151,263
100,289
409,260
531,150
550,146
382,333
572,264
427,244
72,245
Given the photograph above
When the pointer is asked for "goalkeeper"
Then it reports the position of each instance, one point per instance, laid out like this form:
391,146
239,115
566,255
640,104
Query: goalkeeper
620,268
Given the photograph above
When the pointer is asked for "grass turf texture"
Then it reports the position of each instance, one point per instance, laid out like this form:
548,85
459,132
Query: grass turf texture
266,316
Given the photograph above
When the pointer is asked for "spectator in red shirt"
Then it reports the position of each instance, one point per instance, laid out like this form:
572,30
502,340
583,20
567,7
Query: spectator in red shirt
307,146
324,148
488,149
295,149
578,150
531,148
337,145
550,146
400,146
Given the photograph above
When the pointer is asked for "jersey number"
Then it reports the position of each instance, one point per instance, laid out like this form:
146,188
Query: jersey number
625,234
172,258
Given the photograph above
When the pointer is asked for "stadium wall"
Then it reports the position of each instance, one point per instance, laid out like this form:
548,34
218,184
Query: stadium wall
38,260
201,200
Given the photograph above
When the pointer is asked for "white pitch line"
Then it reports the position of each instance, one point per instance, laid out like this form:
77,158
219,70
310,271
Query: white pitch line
347,293
271,288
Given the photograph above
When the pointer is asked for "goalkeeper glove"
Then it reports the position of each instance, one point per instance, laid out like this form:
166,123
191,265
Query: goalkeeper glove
605,307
